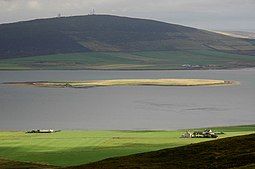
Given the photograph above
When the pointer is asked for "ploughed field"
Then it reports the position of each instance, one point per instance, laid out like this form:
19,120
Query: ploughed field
69,148
127,82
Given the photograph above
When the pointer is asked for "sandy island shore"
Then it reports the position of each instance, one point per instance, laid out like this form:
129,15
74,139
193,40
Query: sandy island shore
127,82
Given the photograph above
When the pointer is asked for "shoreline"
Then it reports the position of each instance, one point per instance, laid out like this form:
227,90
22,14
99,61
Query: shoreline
237,68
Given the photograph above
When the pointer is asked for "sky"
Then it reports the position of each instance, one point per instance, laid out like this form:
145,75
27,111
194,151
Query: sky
232,15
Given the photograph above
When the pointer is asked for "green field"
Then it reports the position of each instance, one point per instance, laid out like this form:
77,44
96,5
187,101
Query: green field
68,148
227,153
204,59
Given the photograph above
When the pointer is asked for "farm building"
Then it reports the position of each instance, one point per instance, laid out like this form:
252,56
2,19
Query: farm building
207,133
42,131
187,134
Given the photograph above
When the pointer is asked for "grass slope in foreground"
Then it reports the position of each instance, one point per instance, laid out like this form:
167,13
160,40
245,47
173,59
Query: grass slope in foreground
149,60
10,164
127,82
69,148
228,153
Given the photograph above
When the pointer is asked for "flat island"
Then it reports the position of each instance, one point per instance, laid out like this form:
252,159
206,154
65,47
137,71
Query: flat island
127,82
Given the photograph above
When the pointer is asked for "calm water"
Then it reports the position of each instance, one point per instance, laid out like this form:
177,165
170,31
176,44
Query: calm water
126,107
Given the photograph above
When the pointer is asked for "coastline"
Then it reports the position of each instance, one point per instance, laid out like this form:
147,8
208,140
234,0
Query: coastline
230,68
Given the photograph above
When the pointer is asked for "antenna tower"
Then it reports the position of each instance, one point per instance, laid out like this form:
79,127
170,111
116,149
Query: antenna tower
92,11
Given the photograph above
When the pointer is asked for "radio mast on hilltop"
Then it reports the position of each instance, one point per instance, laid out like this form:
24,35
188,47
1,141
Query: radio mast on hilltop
92,11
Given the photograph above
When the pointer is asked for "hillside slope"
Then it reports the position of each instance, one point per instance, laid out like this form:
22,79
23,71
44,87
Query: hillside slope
9,164
234,152
109,33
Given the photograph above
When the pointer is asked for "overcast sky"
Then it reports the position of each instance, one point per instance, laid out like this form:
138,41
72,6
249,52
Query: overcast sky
207,14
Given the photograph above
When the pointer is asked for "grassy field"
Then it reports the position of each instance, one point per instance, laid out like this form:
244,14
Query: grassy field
68,148
197,59
128,82
228,153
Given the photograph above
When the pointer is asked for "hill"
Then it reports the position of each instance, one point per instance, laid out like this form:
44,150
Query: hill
109,33
234,152
113,42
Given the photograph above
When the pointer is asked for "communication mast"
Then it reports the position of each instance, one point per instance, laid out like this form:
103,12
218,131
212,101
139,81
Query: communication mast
92,11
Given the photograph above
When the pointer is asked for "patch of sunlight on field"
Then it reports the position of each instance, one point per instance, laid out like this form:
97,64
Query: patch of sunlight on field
68,148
